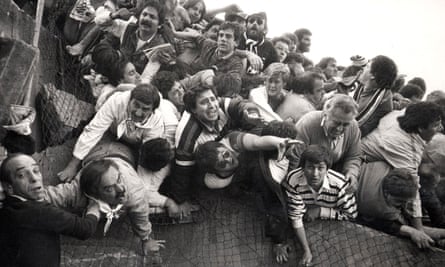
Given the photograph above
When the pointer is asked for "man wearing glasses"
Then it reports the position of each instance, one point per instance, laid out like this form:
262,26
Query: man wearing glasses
254,39
335,128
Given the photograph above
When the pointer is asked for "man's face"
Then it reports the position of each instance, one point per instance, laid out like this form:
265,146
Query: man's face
131,75
274,87
139,111
366,75
315,173
206,108
331,69
26,178
282,50
176,95
433,128
226,41
337,121
305,43
111,188
149,20
212,32
255,28
227,161
238,21
318,93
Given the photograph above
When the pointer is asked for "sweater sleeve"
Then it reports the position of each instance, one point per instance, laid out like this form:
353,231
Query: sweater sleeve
353,154
295,206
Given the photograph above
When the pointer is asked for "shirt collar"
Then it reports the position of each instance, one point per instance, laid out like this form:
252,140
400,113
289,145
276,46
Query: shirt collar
325,130
324,185
19,198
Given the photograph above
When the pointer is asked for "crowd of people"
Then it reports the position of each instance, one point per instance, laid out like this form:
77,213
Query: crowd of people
187,103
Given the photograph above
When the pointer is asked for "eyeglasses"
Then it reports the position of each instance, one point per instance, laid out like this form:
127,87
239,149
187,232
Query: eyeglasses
258,21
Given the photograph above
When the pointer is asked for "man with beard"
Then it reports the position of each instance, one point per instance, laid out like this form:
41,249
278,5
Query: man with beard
136,36
131,116
254,39
304,45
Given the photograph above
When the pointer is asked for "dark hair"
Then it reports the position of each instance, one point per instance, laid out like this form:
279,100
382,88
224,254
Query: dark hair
91,176
316,154
5,172
280,129
192,3
281,39
324,62
411,90
306,82
292,37
384,71
227,84
400,183
419,115
109,62
213,22
206,156
300,33
297,57
351,70
164,81
155,154
157,6
419,82
398,83
232,26
147,94
17,143
190,97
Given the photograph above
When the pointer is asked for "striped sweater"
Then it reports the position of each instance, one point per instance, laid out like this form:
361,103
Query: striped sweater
332,198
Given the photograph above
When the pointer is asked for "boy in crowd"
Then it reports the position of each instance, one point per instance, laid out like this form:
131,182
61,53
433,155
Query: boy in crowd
314,191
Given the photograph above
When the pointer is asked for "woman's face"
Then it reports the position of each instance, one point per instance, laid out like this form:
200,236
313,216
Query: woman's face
131,75
274,86
176,94
196,12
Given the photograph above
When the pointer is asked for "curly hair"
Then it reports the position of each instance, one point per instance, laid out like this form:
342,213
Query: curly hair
234,27
384,71
419,115
306,83
400,183
157,6
206,156
155,154
164,81
192,95
147,94
411,90
91,176
324,62
316,154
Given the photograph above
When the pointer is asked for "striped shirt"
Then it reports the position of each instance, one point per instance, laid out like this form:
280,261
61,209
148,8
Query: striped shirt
334,202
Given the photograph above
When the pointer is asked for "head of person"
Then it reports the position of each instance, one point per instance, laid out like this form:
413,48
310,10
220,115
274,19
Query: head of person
295,63
281,45
275,83
423,118
167,82
338,114
238,18
329,67
227,84
419,82
381,72
412,92
304,40
436,96
399,187
256,26
155,154
144,100
228,37
150,16
212,29
293,41
18,143
214,157
20,175
398,83
196,10
202,103
311,83
113,65
102,180
315,161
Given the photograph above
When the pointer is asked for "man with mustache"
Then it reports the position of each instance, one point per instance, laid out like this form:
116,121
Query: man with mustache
131,117
138,34
254,39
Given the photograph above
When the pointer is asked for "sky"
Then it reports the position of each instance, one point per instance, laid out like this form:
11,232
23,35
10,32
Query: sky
411,32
